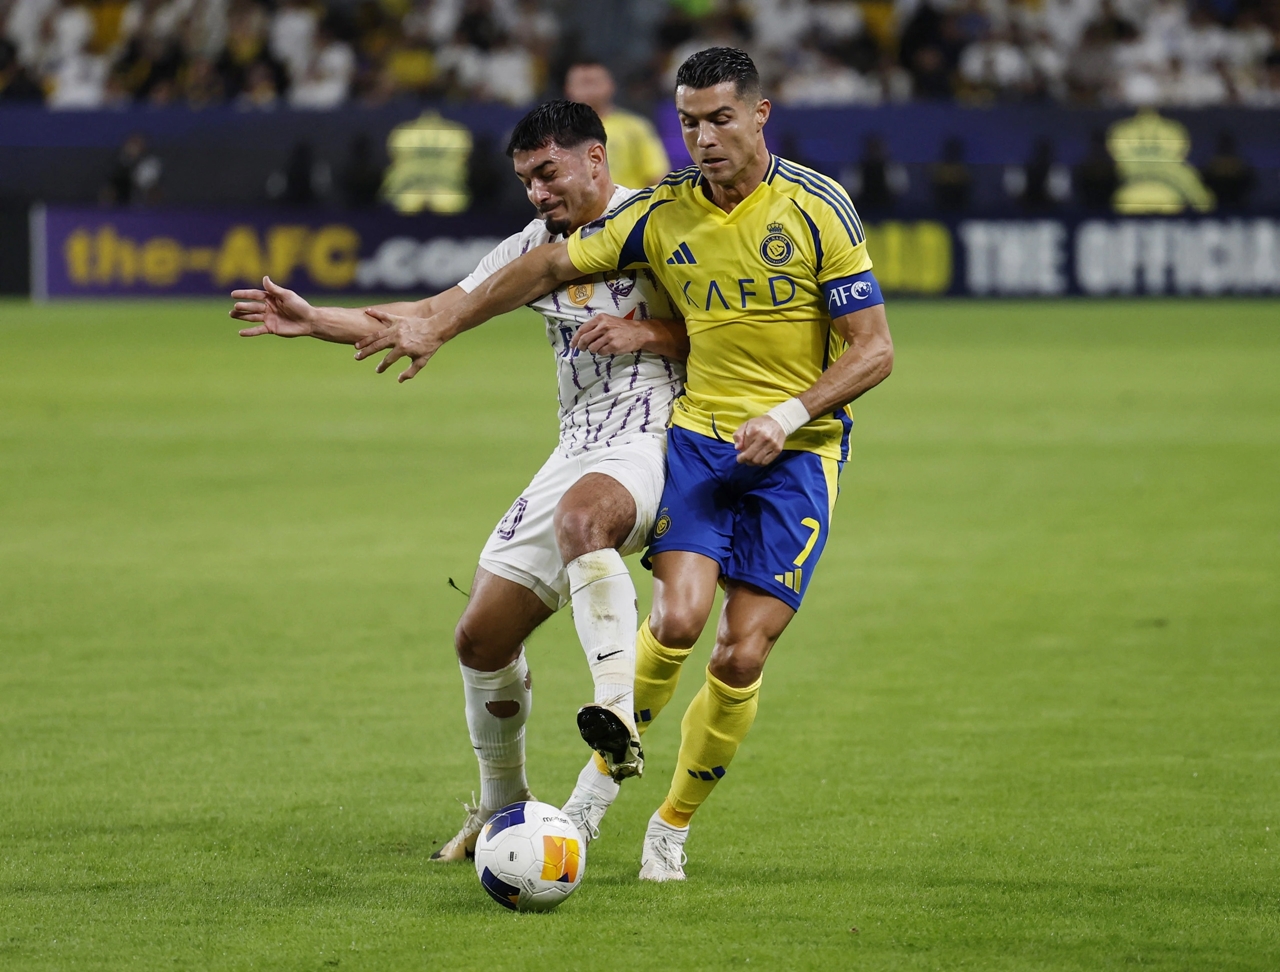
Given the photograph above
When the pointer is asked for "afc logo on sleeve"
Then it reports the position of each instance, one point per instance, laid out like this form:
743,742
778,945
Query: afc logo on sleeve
848,295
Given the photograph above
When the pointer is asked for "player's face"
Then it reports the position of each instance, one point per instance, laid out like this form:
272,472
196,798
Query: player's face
723,133
562,183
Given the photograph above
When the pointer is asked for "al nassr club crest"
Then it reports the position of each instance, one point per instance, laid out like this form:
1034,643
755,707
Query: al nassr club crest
776,248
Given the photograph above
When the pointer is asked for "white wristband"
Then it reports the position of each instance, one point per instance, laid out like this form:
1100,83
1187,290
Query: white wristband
791,414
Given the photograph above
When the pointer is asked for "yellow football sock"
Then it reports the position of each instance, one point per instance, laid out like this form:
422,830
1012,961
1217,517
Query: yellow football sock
657,675
714,725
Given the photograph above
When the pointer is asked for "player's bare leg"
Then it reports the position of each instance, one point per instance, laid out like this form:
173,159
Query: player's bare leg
592,520
716,721
489,641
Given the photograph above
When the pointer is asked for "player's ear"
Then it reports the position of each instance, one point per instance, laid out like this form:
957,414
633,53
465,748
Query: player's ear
763,110
597,155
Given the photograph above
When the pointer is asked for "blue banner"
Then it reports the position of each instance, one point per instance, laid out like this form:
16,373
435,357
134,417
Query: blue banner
98,253
137,253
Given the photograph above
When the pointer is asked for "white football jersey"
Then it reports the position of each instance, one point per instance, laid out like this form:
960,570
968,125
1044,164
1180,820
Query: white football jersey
604,399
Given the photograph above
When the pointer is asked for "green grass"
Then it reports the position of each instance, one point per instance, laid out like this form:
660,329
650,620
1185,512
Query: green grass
1028,718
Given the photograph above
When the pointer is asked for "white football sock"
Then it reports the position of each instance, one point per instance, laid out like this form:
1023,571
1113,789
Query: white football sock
597,782
604,612
499,743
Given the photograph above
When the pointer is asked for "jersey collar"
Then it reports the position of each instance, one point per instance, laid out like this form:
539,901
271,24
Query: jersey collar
752,199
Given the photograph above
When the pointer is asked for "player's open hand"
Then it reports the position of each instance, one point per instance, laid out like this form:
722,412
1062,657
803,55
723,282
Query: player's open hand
415,338
608,334
759,441
274,309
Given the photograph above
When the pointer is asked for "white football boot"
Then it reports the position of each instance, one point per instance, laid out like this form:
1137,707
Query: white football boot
463,845
611,732
592,796
663,857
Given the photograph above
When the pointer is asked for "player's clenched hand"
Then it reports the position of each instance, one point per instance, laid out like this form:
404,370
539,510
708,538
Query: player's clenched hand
608,334
416,338
275,309
759,441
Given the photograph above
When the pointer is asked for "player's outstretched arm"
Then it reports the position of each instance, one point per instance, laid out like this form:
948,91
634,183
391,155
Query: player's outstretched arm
866,363
538,272
610,334
280,311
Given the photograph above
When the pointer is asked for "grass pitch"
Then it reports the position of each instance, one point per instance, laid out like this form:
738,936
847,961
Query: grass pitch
1028,718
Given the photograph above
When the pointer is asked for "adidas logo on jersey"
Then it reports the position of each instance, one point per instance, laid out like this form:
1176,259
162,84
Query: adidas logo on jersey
682,254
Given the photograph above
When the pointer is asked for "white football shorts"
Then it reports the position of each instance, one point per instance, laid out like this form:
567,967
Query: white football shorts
522,547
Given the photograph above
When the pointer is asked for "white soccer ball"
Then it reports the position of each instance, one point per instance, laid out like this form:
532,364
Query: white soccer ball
530,856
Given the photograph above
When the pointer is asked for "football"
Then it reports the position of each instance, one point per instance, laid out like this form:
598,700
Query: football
530,857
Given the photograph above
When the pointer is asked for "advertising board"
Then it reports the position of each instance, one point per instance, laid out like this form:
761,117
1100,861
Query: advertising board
80,252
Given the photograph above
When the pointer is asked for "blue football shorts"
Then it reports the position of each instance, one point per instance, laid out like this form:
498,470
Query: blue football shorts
764,525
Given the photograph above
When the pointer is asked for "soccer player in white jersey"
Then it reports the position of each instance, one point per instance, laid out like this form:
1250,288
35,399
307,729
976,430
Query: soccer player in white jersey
620,350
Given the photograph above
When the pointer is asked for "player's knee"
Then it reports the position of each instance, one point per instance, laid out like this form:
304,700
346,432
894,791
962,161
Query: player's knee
677,626
580,530
738,665
476,651
576,534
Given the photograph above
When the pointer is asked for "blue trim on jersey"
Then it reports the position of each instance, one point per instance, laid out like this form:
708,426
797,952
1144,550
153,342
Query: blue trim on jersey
640,196
850,227
828,192
633,249
847,422
772,170
836,192
849,294
673,179
680,175
817,237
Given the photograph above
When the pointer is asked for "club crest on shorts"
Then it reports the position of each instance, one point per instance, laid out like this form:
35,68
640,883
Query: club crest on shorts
663,525
776,248
579,292
507,528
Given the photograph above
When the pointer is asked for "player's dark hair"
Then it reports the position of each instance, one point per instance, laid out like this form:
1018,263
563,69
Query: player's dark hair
716,65
566,123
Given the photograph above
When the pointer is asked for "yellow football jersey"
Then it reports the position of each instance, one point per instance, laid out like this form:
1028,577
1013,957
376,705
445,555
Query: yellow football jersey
755,287
636,156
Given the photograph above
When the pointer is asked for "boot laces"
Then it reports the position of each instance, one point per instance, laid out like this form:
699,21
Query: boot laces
669,849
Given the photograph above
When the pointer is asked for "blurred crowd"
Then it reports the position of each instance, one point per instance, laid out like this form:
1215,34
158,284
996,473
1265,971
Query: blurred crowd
257,54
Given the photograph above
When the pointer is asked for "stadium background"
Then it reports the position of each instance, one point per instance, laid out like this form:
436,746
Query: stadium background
1027,718
1037,148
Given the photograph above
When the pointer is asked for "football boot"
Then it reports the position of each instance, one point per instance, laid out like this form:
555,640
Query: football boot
663,857
612,733
463,846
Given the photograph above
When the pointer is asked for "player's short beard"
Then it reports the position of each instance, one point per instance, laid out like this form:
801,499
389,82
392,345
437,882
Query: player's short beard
557,227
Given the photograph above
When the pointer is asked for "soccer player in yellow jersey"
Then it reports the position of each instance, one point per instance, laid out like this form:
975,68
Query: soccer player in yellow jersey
636,156
768,262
